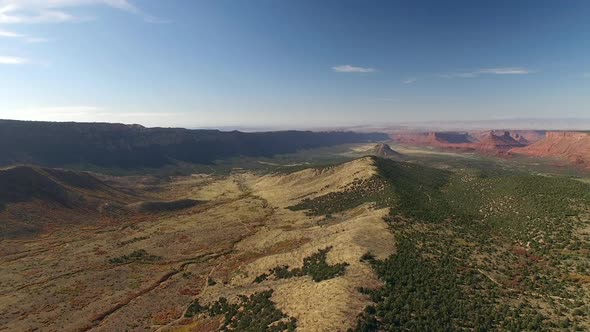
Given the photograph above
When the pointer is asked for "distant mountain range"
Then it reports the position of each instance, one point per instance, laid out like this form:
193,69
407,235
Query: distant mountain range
571,146
493,142
126,146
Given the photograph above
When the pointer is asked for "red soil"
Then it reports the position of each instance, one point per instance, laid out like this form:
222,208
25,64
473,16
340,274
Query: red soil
568,145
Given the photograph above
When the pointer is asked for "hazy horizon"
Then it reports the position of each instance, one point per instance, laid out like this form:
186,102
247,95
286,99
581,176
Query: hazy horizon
292,64
575,124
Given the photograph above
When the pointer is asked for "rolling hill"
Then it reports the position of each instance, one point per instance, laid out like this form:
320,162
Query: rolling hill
384,150
36,199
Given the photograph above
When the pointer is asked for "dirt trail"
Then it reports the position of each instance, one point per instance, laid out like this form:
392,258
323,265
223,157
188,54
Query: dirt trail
101,317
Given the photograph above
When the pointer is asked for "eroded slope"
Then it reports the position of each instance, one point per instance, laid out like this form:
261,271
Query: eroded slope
144,271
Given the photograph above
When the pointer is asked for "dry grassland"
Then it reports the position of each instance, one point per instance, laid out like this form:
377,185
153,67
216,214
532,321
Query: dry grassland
65,280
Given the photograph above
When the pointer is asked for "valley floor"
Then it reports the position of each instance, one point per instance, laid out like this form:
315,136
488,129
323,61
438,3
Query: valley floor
425,241
142,273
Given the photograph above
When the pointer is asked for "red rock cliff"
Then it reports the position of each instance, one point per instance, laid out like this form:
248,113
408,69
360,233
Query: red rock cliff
570,145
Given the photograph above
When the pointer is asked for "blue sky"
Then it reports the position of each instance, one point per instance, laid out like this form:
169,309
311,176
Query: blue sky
293,63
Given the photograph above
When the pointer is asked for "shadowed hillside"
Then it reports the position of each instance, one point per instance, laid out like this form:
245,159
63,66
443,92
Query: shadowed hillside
25,183
119,145
37,199
33,199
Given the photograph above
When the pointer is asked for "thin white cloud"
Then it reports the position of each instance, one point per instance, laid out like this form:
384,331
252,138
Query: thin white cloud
459,75
55,11
410,81
587,75
489,71
12,60
10,34
8,15
352,69
22,37
505,71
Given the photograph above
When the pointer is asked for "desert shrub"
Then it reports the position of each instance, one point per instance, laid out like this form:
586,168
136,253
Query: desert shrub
133,240
261,278
359,192
367,257
317,267
314,266
254,313
138,256
194,309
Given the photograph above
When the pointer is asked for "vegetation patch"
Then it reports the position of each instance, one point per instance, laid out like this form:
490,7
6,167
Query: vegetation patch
411,188
357,193
314,266
138,256
437,294
480,249
164,206
133,240
252,313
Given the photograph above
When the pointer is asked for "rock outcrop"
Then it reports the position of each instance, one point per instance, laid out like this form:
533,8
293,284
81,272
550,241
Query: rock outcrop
494,143
436,139
384,150
488,142
567,145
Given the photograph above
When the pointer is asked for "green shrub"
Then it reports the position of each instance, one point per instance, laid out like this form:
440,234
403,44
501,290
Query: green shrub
138,256
314,266
254,313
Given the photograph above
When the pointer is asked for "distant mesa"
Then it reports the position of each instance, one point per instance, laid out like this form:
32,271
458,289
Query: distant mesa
451,137
384,150
107,145
521,139
571,146
498,143
436,139
487,142
566,145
